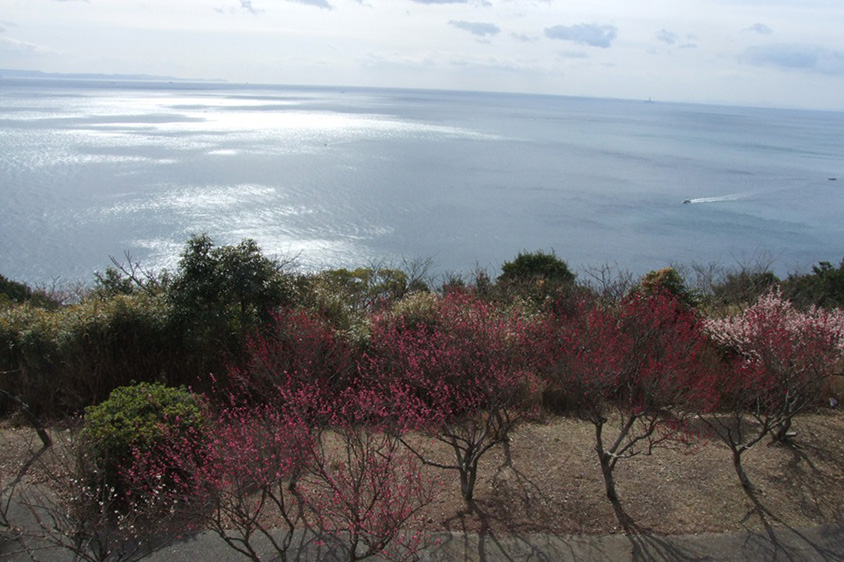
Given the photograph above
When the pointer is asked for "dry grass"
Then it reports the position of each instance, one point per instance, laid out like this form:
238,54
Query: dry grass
547,480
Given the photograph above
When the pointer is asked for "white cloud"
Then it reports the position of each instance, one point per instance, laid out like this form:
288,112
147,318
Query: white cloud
573,55
523,37
666,36
15,46
585,34
318,3
247,5
759,28
480,29
440,2
810,58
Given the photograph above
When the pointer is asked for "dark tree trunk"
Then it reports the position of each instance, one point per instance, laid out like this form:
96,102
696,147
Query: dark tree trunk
609,479
468,475
783,433
36,424
745,481
606,461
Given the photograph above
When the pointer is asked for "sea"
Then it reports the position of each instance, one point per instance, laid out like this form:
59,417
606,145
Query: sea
92,170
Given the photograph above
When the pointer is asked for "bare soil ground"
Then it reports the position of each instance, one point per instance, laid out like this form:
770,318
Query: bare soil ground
547,480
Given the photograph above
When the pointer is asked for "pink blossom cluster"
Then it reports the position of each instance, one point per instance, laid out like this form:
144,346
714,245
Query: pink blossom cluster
773,321
785,355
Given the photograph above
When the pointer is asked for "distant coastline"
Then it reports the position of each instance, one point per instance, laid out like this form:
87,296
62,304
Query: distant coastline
39,75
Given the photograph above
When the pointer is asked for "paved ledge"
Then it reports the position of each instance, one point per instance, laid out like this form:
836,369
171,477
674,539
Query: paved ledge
821,544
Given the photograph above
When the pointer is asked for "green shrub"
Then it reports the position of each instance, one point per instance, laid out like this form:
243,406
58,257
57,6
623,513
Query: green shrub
15,292
419,308
159,330
219,291
739,289
146,419
218,297
823,287
61,361
667,280
112,282
533,266
535,279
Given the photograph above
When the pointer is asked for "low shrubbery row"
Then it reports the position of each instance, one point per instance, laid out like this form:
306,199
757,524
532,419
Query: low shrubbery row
310,431
176,327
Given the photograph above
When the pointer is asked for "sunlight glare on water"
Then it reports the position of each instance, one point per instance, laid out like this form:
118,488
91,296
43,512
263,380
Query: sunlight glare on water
348,178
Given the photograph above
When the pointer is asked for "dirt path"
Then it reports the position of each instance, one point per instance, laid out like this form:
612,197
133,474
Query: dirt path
547,482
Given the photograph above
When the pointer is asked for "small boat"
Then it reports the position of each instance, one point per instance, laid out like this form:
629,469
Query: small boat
686,201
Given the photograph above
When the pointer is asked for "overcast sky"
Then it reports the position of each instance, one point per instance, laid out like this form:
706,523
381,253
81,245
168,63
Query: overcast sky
757,52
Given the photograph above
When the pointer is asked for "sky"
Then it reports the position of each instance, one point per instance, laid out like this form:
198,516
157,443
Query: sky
778,53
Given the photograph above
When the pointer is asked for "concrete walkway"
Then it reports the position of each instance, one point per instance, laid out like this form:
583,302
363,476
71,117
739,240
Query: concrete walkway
822,544
818,544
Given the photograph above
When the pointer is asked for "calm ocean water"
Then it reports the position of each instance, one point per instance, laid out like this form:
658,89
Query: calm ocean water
348,177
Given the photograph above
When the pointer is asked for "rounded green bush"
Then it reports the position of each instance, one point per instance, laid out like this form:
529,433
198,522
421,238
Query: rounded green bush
532,266
148,419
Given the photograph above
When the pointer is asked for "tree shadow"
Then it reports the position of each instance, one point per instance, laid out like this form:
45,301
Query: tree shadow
785,543
11,537
486,545
24,469
810,479
10,544
637,542
649,547
644,545
522,491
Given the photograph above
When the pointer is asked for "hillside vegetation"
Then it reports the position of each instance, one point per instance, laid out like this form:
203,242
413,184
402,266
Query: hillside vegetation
240,395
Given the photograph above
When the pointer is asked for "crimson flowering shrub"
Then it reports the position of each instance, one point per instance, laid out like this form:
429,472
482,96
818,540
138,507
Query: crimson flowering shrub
365,491
635,366
255,456
268,464
779,360
266,474
466,377
665,361
300,364
269,469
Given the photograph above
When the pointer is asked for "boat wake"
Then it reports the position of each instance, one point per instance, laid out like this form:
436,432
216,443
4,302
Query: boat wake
733,197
